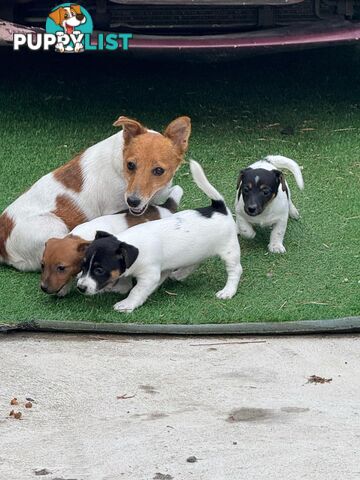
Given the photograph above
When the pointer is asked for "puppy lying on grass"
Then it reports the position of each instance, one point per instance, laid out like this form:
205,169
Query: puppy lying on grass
62,257
172,246
263,198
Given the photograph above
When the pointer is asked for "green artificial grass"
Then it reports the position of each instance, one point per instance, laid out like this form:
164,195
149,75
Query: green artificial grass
304,105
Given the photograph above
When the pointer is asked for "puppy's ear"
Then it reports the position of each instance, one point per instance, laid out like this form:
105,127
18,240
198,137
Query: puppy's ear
101,234
240,179
131,128
76,8
83,246
178,131
56,15
127,255
281,179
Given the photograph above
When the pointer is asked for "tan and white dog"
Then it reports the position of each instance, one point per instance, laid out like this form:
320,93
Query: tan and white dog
130,169
69,18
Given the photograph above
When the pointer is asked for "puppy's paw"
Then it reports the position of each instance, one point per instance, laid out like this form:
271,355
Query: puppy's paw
250,234
124,307
276,248
294,213
225,293
79,47
64,291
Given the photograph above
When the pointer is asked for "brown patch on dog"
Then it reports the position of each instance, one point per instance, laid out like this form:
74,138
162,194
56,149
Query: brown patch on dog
69,212
115,274
148,151
170,205
131,128
67,252
283,185
70,174
7,225
151,213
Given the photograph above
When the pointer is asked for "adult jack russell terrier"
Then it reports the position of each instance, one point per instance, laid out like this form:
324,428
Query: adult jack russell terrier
69,18
151,251
62,258
127,170
263,198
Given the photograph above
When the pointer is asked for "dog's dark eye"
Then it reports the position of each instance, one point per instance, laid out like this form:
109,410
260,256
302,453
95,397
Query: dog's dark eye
66,15
60,268
246,189
99,271
131,166
266,191
42,266
158,171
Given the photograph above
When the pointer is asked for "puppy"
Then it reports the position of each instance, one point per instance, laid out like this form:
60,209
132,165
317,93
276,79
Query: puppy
263,198
131,169
63,257
69,18
177,244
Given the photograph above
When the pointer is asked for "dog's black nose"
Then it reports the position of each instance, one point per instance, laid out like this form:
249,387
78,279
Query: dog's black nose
81,288
133,201
80,16
251,209
44,289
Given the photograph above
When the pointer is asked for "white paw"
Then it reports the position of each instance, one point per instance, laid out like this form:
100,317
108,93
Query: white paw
60,47
247,233
124,307
79,47
276,248
225,293
294,213
177,275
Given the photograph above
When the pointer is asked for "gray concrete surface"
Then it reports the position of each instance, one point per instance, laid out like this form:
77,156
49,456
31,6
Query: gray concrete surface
244,410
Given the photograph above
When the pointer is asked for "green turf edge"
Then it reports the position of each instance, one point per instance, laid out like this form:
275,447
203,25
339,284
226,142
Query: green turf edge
339,325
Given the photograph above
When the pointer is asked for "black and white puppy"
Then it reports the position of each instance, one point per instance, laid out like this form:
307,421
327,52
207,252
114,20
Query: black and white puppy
263,198
172,246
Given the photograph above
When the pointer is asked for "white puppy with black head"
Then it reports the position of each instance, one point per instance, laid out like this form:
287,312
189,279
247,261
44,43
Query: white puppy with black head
263,198
175,245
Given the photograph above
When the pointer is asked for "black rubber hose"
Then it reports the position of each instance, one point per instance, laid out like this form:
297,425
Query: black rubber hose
338,325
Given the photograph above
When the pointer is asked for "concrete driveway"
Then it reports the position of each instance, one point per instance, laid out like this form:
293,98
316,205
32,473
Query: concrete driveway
121,407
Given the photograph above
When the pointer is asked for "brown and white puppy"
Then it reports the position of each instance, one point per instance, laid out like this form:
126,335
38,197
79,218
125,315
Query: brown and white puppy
69,18
62,258
131,169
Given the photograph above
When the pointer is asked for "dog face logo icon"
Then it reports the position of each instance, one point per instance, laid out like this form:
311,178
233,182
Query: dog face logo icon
69,22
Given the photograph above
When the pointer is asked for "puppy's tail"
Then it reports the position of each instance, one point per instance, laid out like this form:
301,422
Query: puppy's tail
174,199
281,162
203,183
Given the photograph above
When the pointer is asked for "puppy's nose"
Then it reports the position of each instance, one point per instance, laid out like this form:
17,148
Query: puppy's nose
81,289
251,208
44,288
80,16
133,201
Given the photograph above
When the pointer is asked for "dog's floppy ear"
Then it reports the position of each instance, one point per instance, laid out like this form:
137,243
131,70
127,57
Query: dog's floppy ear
178,131
76,8
240,179
131,128
56,15
101,234
281,179
127,255
81,248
